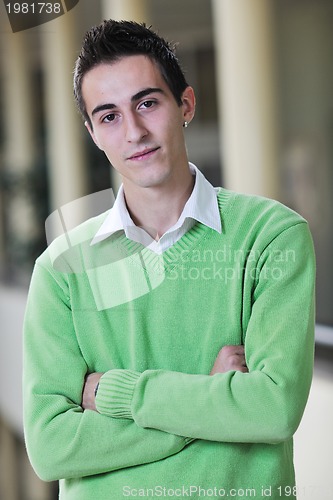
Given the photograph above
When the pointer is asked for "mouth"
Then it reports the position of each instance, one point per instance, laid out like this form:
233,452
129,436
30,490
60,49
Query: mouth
143,155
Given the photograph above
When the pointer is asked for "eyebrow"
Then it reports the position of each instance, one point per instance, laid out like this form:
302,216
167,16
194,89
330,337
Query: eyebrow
134,98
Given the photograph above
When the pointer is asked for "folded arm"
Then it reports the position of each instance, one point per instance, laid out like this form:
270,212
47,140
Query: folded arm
63,440
264,405
230,357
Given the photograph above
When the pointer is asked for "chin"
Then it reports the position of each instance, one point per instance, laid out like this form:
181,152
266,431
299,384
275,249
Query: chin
153,179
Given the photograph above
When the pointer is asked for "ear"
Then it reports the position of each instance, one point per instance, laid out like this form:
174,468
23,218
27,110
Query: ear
92,135
188,100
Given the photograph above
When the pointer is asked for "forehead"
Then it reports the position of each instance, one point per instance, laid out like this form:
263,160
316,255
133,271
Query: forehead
120,80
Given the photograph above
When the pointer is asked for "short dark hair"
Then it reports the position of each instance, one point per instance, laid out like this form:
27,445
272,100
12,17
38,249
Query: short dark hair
112,40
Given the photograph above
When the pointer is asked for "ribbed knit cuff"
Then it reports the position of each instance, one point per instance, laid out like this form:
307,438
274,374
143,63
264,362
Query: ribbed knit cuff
115,392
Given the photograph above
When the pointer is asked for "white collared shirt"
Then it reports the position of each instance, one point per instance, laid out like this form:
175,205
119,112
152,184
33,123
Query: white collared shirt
201,206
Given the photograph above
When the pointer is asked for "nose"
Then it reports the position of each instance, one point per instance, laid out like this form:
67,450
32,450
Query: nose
135,130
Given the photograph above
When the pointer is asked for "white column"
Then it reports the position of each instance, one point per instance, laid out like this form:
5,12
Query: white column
66,158
129,10
20,144
246,83
9,484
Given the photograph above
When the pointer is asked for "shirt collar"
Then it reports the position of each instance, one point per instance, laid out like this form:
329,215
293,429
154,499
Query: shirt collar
201,206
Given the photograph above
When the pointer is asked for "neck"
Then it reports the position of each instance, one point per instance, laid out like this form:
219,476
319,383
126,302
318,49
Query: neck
157,209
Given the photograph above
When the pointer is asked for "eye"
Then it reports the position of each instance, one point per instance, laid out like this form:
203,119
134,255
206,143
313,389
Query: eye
147,104
109,118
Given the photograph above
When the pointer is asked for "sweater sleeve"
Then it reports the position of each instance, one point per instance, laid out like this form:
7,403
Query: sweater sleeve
63,441
262,406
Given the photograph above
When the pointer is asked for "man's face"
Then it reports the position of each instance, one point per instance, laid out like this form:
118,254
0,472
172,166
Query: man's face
136,120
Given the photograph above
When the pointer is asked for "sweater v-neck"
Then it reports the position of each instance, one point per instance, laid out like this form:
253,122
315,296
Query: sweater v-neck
171,257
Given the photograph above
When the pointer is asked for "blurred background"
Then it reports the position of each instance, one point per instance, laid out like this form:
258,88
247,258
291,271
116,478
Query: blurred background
263,75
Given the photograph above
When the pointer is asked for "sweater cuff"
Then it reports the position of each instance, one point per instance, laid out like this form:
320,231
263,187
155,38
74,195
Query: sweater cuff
115,393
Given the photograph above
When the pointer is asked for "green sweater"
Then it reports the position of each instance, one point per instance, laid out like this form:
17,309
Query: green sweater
154,326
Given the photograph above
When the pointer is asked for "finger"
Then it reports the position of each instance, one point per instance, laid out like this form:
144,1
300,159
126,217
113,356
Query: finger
231,350
234,349
239,349
236,361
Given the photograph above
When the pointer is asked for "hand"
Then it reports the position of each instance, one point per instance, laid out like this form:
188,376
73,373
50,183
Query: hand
230,357
88,392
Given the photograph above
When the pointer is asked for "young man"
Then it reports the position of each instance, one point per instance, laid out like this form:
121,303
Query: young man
169,351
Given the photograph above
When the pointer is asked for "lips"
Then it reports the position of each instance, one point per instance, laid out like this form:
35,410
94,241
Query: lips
144,154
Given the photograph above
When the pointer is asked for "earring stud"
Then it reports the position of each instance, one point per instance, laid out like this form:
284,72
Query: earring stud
185,125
